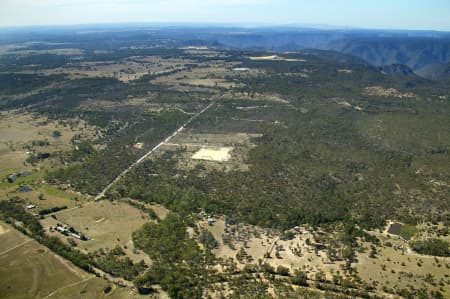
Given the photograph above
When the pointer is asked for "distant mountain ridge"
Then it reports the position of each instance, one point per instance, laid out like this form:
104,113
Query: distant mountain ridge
435,71
378,48
426,53
414,52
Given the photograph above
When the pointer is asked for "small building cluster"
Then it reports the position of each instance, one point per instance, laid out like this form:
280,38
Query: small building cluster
68,231
14,176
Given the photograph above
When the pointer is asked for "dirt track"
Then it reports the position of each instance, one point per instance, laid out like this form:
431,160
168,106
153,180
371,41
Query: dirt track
142,159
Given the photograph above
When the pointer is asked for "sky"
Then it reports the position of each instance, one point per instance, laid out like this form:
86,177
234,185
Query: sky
376,14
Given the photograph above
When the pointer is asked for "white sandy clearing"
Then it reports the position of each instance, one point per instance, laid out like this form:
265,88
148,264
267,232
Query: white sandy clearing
389,92
275,57
139,145
219,155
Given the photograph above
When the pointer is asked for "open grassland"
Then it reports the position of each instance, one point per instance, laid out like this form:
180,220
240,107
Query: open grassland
107,224
21,49
207,75
125,70
93,289
43,196
395,266
23,134
30,270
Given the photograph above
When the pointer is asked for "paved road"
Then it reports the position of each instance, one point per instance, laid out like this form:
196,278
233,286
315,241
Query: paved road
142,159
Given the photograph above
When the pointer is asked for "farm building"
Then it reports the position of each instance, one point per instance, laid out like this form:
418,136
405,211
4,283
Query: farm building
24,174
76,236
12,178
25,189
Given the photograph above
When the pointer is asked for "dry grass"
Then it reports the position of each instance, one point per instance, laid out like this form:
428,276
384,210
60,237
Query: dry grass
107,224
124,70
207,75
397,267
36,270
18,130
390,92
30,270
52,197
257,242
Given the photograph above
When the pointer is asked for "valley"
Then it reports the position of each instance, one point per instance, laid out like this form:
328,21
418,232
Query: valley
168,170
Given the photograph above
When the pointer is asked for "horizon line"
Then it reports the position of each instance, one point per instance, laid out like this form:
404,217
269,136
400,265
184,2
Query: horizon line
250,25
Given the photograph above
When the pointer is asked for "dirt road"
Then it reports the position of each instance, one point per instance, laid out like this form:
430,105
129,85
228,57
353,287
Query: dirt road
142,159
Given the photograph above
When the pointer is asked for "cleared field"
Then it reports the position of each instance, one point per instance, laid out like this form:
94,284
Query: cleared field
93,289
125,70
52,198
10,238
106,223
215,151
11,158
396,267
387,92
219,155
21,49
18,130
207,75
276,58
42,196
30,270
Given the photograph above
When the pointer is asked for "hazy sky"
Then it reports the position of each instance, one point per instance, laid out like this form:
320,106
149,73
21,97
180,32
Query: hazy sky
383,14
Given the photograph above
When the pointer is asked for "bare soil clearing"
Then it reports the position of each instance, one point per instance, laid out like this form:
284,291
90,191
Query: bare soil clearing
214,151
276,58
219,155
262,244
389,92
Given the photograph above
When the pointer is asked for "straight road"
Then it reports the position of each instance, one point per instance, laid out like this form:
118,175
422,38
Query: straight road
142,159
